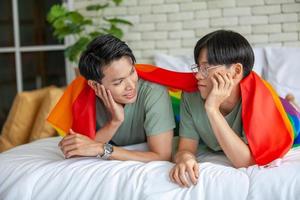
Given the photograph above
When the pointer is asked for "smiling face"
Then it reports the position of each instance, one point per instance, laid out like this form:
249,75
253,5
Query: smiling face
205,83
121,79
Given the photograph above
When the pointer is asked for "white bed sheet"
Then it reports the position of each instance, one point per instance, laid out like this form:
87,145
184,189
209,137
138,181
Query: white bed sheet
39,171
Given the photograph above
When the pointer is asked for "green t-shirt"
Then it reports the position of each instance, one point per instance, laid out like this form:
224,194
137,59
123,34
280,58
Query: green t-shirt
150,114
194,122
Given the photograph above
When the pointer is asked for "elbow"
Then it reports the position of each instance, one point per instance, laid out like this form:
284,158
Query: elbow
246,163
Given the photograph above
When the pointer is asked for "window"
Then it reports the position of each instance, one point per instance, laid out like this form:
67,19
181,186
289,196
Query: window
30,56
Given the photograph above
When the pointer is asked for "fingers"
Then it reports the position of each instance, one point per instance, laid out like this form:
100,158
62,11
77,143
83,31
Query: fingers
110,98
179,174
192,175
102,94
222,81
229,81
69,148
171,174
72,132
196,170
177,178
183,177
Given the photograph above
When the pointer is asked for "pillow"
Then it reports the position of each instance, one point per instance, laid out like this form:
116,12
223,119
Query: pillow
283,69
17,127
41,128
260,61
174,63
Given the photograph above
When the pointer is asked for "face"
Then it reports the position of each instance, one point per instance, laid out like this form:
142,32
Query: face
121,79
204,83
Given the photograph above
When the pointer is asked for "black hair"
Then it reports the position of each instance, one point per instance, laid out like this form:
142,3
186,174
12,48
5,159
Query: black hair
225,47
100,52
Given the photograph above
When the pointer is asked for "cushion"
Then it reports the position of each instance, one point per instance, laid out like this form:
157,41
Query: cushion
41,128
174,63
260,61
17,127
282,70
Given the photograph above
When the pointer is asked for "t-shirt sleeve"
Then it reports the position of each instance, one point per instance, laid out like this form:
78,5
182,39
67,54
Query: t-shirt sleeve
159,116
187,128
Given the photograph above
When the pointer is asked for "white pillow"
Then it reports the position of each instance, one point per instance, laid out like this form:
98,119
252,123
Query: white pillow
174,63
260,61
283,69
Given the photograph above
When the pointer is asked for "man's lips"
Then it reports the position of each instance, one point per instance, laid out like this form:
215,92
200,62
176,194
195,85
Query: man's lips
130,95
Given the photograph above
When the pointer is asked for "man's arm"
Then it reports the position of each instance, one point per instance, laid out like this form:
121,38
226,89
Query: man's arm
115,109
185,162
106,133
235,149
160,148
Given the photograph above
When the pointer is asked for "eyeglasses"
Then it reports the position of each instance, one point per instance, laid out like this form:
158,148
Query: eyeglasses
203,68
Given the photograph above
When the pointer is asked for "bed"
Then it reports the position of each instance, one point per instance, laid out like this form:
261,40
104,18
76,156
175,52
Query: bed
39,170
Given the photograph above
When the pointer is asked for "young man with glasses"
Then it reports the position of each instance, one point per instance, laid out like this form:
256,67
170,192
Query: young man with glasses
212,117
129,110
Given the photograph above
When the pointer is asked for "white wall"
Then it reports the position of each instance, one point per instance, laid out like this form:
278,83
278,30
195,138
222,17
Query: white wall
174,26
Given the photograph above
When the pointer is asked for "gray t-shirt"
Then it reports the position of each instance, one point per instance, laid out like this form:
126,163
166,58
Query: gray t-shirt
194,122
150,114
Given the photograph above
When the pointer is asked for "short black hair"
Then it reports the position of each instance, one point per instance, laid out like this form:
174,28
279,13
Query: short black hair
100,52
225,47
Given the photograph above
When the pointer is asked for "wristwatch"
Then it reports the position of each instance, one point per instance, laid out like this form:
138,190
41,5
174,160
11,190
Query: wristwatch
107,151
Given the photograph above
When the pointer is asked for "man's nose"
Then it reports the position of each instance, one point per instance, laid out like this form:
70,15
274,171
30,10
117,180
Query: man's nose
199,76
129,84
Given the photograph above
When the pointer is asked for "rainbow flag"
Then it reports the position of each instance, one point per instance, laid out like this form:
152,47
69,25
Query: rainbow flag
271,124
75,110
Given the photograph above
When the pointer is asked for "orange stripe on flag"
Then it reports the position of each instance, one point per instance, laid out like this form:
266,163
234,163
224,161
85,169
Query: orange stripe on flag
61,116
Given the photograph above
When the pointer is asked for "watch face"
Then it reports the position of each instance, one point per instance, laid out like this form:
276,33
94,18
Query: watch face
109,148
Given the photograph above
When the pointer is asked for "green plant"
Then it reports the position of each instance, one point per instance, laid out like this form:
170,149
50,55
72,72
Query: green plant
84,28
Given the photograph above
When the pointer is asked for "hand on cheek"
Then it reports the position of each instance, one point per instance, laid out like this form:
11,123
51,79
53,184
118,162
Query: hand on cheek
222,84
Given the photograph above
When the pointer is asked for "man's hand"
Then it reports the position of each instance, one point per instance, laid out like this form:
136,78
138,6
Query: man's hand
222,87
186,167
116,110
76,144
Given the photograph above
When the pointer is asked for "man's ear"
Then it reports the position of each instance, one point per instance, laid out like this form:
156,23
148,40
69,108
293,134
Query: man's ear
92,84
238,71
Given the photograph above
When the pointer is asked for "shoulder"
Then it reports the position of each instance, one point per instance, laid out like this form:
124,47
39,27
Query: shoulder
147,88
191,96
150,93
147,85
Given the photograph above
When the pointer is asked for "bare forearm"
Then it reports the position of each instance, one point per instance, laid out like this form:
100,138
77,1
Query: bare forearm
124,154
106,133
235,149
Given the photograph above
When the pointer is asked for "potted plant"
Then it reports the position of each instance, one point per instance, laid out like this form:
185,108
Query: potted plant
82,28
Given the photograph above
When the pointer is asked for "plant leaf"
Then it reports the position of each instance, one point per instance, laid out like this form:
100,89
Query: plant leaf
55,12
115,31
96,34
73,51
97,7
74,17
117,2
115,21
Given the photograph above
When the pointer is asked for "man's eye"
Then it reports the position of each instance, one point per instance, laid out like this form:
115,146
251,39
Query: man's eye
118,82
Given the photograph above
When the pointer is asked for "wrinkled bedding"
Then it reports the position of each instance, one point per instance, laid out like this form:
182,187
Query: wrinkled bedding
39,170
